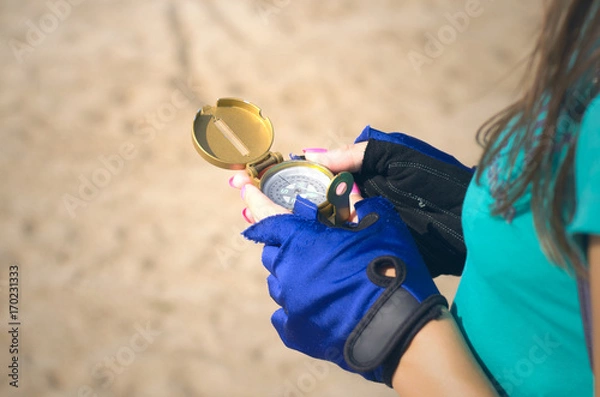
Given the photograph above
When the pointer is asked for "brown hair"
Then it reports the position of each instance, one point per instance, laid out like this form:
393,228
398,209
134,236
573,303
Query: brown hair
564,62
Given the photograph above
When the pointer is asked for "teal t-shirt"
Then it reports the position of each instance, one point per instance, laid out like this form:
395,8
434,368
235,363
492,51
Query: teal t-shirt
519,312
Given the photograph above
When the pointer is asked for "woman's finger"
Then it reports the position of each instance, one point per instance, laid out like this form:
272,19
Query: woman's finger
239,179
354,197
259,205
247,215
349,158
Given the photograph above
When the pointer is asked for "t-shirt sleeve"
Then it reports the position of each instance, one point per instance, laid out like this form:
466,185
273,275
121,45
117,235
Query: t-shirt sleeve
587,173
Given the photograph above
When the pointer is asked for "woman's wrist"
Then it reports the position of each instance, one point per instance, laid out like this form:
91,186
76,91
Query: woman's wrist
439,363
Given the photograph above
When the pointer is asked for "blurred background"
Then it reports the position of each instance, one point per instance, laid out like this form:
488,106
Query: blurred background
133,277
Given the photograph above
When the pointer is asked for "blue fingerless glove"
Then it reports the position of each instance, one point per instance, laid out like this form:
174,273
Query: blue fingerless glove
427,188
336,304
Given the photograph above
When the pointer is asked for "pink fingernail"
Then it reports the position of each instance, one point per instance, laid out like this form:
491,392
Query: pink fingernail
231,181
245,215
243,191
314,150
355,189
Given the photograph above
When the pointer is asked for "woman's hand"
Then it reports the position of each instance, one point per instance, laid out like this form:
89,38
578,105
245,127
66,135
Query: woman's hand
439,344
337,301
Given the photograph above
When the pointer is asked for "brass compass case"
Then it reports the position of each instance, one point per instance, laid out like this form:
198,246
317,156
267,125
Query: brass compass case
235,135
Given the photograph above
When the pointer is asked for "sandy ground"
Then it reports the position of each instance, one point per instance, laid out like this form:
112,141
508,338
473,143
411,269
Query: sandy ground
133,280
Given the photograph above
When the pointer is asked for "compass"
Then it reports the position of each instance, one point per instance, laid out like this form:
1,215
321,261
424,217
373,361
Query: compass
283,182
235,135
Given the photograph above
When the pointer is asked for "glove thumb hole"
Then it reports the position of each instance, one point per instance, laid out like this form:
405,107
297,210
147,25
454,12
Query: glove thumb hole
386,270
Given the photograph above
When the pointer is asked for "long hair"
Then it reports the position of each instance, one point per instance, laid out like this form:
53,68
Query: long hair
563,74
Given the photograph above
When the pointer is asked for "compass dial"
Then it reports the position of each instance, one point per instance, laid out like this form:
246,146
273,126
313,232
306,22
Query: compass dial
304,180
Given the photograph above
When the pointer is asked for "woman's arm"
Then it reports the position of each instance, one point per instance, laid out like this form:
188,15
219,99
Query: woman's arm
439,363
594,263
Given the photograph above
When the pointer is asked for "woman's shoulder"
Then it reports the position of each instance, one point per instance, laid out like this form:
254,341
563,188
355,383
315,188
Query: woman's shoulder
588,142
587,172
591,116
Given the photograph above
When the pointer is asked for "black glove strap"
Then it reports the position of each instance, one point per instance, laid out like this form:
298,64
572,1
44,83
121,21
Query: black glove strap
386,330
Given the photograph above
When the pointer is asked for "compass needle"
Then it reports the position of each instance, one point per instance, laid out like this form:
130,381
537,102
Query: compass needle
284,182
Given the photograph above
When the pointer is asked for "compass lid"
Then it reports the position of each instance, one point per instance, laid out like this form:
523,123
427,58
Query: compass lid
232,134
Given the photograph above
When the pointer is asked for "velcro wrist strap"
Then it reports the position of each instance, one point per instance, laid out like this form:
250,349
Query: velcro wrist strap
386,330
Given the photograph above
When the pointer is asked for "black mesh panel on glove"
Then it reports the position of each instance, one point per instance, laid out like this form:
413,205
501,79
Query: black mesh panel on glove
428,194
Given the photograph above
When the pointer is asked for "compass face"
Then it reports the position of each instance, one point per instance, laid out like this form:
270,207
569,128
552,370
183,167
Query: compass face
286,184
